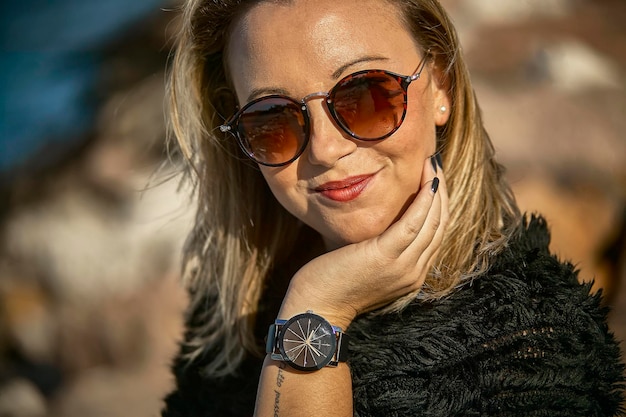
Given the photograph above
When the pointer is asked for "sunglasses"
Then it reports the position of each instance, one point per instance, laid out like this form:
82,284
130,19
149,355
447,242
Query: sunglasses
368,105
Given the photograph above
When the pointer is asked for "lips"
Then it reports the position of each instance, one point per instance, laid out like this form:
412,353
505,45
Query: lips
345,190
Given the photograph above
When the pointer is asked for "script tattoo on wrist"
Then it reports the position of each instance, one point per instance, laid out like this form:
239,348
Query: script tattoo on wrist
280,378
276,403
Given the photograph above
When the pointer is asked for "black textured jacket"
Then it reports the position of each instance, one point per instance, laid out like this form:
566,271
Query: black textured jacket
526,339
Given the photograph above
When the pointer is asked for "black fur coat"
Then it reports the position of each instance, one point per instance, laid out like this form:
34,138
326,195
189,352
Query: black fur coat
526,339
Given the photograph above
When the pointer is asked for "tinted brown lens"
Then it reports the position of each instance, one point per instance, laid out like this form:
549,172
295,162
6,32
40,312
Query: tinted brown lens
272,130
370,105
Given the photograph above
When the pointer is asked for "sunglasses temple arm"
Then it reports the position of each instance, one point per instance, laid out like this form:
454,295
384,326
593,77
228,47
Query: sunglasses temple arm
420,66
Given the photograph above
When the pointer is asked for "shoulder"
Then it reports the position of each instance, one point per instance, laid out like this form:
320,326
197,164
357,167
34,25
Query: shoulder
526,281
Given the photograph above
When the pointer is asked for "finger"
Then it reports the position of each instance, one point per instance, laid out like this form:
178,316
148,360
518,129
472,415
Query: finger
400,235
443,194
422,253
437,216
425,252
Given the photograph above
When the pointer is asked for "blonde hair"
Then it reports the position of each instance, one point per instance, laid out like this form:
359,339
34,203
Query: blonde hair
241,231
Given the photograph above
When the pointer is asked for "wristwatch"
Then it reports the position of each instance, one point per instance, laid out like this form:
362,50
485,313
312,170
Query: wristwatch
307,342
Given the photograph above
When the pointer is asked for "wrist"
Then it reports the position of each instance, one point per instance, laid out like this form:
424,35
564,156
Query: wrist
298,301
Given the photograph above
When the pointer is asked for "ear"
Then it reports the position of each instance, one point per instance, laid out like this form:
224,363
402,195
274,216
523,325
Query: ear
224,100
440,84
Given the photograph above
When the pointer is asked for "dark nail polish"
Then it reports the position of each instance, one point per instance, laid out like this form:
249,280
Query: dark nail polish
433,161
435,186
439,160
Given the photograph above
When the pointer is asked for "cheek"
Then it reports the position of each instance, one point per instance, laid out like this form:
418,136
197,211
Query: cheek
416,139
419,127
277,183
284,185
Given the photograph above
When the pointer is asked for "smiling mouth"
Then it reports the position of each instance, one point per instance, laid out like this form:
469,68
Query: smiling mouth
345,190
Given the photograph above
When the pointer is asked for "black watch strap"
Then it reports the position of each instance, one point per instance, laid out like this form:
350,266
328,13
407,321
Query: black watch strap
343,347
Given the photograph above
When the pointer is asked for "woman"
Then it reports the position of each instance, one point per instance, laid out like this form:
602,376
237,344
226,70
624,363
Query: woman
339,212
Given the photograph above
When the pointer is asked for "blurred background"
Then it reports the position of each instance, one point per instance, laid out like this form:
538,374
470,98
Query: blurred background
93,216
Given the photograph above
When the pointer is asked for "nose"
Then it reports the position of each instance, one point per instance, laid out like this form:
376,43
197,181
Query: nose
328,142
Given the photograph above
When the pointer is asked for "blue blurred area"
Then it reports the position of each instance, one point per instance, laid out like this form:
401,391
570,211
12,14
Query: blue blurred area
50,52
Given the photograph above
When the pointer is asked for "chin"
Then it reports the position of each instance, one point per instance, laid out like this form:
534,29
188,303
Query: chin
336,241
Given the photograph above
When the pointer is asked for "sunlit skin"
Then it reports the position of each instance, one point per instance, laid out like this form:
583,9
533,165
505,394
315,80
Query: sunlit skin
345,189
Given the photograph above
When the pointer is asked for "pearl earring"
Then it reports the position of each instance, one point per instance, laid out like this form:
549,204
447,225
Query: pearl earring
443,109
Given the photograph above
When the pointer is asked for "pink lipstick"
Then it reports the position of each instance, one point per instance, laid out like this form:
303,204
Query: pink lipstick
345,190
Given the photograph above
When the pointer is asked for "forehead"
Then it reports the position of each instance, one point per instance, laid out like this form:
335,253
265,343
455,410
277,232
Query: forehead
276,42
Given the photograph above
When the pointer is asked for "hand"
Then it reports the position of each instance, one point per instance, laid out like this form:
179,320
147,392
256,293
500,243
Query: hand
361,277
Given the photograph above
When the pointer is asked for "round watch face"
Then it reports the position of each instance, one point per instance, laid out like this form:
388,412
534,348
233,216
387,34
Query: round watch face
307,342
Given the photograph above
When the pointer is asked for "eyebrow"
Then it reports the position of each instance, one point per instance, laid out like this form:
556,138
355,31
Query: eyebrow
260,92
265,91
337,73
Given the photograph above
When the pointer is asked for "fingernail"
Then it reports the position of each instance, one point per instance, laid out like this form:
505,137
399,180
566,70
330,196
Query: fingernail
439,160
433,161
435,186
